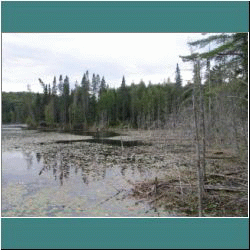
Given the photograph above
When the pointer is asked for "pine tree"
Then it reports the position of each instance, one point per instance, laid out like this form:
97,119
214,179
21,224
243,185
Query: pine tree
45,95
85,96
123,83
178,76
102,86
49,90
124,100
94,85
98,82
232,51
60,85
54,88
66,90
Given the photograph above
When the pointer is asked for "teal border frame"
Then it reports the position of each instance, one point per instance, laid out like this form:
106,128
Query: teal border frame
131,16
127,233
140,233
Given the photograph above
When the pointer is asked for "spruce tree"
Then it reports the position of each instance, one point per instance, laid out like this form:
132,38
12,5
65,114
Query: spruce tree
85,96
178,76
124,99
54,88
66,91
123,83
60,85
102,86
94,85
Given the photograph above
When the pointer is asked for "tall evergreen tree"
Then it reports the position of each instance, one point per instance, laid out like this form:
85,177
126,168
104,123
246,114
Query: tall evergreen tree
94,85
85,96
123,83
98,82
178,76
45,95
60,85
66,100
54,87
50,92
124,100
102,86
54,99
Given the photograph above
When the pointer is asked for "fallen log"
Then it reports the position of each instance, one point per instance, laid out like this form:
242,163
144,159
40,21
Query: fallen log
157,198
225,176
223,188
235,172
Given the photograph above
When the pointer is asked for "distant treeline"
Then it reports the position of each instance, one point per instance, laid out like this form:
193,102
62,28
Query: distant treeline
220,82
93,103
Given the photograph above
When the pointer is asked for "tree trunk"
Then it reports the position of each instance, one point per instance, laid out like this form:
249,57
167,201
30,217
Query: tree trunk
200,175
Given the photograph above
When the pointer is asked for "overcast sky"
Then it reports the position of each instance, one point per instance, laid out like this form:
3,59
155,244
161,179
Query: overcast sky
148,56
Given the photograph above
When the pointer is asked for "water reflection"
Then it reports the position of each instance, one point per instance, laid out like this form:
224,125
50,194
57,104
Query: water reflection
38,157
29,159
64,172
63,166
84,177
97,134
123,170
60,168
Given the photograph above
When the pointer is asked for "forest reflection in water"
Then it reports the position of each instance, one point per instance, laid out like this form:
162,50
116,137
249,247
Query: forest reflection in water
63,165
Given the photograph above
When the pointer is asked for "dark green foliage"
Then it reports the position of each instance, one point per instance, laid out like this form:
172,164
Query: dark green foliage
54,87
92,109
103,87
123,102
8,107
38,108
66,99
16,106
232,50
60,85
178,76
95,85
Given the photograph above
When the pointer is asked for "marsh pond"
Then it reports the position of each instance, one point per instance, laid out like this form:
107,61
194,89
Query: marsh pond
122,173
60,174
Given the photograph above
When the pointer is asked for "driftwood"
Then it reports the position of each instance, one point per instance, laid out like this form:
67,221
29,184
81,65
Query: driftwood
225,176
111,197
157,198
223,188
234,172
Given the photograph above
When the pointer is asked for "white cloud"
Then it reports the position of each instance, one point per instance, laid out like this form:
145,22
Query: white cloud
148,56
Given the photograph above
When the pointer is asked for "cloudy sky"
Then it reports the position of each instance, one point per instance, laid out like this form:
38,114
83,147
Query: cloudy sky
148,56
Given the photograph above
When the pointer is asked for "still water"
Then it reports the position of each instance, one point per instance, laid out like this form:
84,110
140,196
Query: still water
81,179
